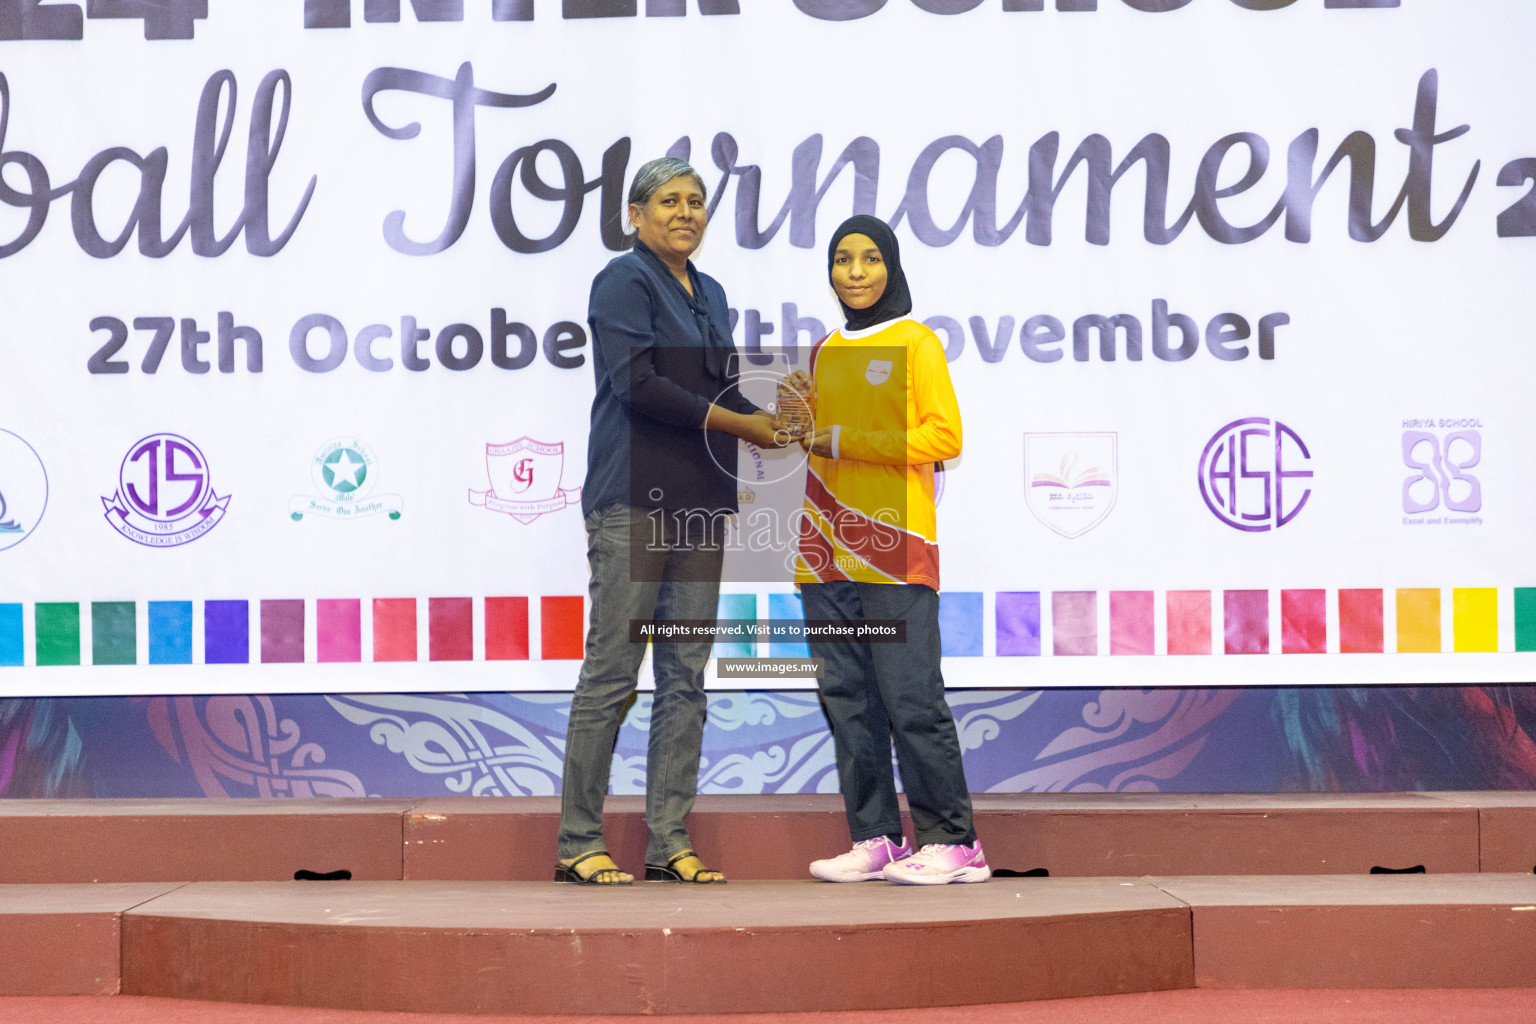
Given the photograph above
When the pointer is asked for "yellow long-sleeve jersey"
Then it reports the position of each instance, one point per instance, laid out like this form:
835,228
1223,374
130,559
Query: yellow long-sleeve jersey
869,513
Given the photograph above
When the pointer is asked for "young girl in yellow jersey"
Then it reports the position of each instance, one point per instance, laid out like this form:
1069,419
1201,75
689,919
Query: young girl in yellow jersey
885,413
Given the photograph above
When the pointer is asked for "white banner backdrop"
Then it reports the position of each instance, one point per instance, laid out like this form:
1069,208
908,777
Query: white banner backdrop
294,371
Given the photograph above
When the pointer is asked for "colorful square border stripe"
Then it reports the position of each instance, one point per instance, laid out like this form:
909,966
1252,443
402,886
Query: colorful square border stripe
1021,623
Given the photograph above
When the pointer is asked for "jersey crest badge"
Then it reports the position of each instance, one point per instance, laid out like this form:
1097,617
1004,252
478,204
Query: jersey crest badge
878,371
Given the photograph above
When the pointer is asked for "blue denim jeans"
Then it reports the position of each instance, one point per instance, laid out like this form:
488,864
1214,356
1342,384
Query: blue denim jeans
874,692
641,576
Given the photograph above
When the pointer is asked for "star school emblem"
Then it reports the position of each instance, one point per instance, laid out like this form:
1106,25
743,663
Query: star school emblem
525,479
23,490
1071,481
344,472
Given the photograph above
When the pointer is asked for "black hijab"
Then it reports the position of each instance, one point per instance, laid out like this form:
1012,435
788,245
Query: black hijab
895,301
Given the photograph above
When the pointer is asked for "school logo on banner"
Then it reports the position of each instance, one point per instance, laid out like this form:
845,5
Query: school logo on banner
165,494
525,479
23,490
1071,481
1255,474
1441,491
344,471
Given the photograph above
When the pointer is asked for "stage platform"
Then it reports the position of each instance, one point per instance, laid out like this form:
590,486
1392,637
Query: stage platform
449,908
535,948
759,837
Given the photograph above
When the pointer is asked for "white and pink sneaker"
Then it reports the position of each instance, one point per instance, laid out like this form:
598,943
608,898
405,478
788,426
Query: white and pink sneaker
940,863
864,863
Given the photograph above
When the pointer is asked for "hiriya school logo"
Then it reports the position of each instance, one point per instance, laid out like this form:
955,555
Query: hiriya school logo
525,479
23,490
345,471
165,493
1440,452
1253,474
1071,480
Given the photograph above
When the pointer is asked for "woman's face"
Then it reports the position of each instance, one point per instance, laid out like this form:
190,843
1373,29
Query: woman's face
672,223
858,272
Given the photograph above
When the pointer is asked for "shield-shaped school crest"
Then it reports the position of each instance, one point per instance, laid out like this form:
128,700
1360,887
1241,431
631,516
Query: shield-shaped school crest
878,371
525,479
1071,480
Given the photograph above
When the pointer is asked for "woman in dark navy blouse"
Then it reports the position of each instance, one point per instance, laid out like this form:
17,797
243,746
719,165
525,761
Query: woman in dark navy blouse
661,477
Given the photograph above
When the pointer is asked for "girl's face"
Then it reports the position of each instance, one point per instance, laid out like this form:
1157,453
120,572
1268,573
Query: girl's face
858,272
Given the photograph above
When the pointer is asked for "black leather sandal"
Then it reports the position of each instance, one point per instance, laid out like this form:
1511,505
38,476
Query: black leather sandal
667,873
602,876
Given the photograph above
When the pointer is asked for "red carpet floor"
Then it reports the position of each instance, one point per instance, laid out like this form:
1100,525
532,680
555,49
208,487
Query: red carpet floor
1193,1006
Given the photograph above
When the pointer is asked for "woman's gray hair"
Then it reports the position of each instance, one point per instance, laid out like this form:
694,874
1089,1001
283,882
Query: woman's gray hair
651,176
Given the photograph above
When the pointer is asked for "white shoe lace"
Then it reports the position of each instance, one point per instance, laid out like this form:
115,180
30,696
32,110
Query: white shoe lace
927,855
861,848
